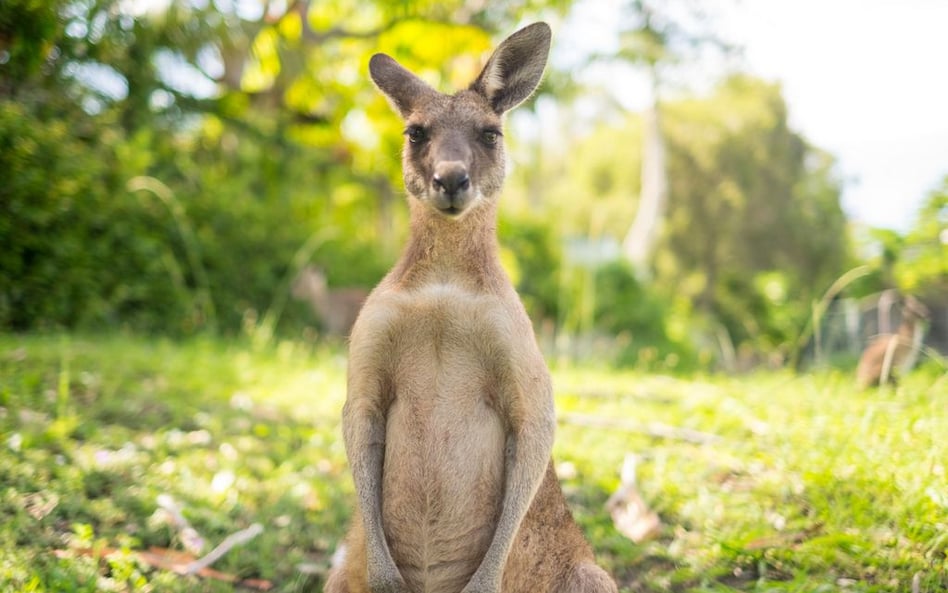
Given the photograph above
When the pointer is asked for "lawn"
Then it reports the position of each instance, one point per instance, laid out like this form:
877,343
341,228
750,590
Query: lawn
769,482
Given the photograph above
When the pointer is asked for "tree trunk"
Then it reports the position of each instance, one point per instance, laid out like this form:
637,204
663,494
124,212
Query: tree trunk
640,241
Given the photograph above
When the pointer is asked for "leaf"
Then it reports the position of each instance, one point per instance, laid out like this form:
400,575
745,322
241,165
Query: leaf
263,69
291,26
630,514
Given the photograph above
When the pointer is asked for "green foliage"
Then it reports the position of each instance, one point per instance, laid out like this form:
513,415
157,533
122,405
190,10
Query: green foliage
748,197
26,27
271,150
530,248
915,262
753,233
591,190
638,316
922,266
244,137
74,238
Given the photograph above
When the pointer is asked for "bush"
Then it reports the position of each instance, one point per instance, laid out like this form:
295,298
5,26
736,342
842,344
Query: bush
536,263
71,249
641,319
206,238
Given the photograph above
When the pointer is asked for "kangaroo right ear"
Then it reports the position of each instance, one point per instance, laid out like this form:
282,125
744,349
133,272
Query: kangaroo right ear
514,70
401,87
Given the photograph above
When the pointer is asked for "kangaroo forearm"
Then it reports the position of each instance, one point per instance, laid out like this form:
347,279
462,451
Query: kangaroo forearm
364,436
528,456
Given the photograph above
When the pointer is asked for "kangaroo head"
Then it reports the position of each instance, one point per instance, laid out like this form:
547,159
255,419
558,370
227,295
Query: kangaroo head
914,310
454,154
309,283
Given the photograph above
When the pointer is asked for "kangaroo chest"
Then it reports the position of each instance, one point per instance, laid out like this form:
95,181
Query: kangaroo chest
445,433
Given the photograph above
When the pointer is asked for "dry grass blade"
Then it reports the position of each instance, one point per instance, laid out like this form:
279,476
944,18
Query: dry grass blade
652,429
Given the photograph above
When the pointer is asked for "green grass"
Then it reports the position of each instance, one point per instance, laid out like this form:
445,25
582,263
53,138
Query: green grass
810,486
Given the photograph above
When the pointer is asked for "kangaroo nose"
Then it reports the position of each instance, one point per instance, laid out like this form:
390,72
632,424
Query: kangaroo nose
451,177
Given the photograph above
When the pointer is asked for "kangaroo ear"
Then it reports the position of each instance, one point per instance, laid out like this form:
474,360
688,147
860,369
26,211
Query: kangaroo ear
514,70
402,88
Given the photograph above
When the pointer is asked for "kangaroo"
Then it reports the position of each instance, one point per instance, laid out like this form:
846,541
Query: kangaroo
337,309
448,421
889,352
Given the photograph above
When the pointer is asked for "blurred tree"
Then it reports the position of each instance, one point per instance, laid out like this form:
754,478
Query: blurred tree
754,228
259,121
749,196
921,265
256,117
656,41
70,246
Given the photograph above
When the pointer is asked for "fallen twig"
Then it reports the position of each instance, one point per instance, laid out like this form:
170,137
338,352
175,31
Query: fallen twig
232,540
190,538
653,429
649,396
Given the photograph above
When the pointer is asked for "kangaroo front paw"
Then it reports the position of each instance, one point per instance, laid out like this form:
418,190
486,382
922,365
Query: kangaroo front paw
393,586
477,584
387,581
480,589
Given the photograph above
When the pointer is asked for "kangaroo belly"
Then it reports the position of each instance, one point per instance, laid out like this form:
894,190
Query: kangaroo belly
443,472
442,479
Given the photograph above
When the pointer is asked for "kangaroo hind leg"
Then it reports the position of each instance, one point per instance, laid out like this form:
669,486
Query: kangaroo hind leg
586,577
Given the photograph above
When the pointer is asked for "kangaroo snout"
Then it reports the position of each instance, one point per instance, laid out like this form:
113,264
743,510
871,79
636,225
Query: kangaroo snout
451,184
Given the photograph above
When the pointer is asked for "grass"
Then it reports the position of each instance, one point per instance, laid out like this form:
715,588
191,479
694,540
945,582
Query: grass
809,486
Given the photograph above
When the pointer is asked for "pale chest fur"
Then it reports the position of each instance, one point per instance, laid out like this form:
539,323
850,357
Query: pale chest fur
448,350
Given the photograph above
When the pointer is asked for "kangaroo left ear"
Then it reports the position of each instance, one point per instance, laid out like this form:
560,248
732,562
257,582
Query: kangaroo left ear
515,68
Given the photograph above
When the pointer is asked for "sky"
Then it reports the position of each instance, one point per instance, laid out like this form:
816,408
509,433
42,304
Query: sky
866,80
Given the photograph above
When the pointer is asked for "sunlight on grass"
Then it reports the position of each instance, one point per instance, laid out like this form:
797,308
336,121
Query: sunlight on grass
771,482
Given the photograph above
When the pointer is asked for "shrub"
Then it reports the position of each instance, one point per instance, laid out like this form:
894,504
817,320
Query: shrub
641,318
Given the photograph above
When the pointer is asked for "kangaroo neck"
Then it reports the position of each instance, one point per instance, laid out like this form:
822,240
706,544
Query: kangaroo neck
446,250
907,328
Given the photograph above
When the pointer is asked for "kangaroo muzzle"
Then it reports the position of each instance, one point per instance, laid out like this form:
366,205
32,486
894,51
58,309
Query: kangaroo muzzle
452,187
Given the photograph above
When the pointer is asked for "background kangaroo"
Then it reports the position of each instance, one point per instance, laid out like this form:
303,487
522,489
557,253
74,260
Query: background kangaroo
337,308
449,421
893,352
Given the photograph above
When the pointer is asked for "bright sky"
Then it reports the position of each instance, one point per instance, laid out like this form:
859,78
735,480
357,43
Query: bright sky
866,80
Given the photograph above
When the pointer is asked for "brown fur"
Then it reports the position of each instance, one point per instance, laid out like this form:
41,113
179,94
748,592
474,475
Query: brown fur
874,368
449,417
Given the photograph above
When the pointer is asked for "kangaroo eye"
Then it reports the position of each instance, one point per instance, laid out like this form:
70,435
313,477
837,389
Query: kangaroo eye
490,137
416,134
